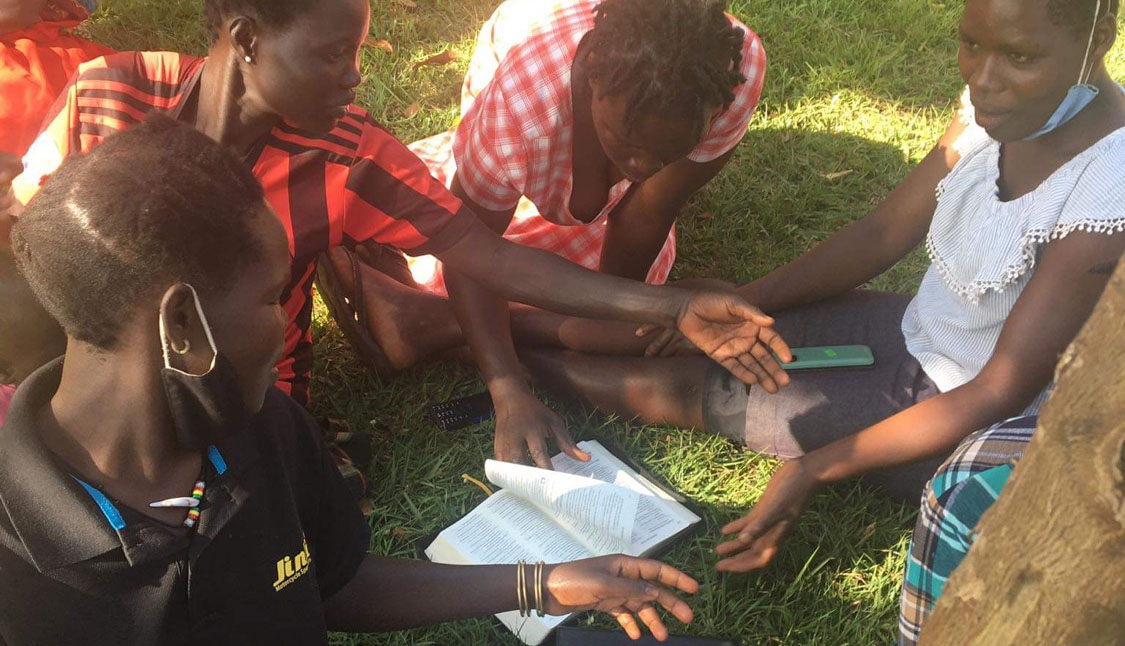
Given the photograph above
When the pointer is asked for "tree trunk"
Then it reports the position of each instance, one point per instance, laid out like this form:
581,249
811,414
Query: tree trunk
1048,567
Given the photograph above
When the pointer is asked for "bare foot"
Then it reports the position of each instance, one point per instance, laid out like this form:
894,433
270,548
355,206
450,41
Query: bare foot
386,259
408,324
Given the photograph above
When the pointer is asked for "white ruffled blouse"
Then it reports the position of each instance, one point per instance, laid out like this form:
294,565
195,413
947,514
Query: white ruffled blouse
984,250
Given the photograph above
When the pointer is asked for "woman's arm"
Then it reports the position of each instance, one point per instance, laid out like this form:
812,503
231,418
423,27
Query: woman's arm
723,325
865,248
637,229
1045,319
853,255
394,594
523,423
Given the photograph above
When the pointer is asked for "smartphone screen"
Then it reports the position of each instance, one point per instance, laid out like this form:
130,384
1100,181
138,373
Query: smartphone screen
829,357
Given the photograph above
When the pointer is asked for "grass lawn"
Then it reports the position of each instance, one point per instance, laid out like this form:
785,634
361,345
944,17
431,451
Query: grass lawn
857,92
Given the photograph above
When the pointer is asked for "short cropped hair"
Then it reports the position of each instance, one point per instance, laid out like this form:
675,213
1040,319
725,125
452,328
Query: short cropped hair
152,205
1078,14
275,13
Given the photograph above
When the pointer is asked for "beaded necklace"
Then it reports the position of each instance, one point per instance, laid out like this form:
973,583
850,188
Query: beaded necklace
192,503
197,495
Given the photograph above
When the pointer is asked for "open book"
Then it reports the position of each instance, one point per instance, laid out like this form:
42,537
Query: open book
580,510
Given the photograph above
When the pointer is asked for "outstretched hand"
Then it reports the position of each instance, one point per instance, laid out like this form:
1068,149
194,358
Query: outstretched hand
760,532
622,586
736,335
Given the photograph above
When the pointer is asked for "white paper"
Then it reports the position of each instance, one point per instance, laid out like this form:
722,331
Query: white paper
506,528
599,514
530,630
659,517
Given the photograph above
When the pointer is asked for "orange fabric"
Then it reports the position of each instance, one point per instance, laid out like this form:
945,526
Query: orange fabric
35,65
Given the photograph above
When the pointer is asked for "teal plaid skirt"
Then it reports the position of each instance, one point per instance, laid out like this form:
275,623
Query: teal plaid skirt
953,502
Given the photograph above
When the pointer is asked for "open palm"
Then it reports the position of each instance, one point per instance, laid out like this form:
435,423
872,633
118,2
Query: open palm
624,587
736,335
758,534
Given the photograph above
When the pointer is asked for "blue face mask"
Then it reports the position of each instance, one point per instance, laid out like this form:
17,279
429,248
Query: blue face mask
1079,96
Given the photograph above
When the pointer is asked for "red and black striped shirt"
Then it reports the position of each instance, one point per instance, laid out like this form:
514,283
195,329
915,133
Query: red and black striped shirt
353,184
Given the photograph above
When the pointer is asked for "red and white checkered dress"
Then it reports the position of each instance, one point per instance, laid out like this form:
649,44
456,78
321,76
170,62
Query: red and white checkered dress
512,147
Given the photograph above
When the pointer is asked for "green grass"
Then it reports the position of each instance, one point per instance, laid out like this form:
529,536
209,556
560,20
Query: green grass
853,85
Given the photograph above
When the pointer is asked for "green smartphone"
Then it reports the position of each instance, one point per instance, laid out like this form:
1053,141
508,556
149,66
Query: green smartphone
829,357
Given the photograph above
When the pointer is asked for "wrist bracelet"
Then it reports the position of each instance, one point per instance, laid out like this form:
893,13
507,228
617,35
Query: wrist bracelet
539,589
521,590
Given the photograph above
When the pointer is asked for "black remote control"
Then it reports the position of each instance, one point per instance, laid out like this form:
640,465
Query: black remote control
456,414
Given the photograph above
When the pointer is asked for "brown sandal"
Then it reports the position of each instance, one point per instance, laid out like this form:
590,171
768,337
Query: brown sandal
347,307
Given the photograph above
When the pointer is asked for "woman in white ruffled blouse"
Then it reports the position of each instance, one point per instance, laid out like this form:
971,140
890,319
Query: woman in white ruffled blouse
1021,205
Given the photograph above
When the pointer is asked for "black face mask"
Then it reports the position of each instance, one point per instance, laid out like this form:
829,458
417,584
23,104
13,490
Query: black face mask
205,408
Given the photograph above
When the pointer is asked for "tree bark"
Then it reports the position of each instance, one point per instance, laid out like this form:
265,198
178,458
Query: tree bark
1048,566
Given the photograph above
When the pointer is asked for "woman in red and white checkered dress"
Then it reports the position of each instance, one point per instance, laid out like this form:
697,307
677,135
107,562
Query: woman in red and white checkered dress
587,125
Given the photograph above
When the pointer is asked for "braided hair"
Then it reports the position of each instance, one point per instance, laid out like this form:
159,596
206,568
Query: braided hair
1078,14
677,57
152,205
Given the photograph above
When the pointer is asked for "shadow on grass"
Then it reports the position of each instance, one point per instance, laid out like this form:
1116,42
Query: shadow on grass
784,191
838,575
835,580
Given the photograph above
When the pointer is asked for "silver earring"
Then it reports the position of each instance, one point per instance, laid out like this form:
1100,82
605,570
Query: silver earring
248,59
183,350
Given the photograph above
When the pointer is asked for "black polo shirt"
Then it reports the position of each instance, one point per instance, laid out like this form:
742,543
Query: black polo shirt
279,532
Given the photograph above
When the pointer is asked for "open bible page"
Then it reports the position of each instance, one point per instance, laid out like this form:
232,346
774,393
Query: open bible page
659,517
503,530
599,514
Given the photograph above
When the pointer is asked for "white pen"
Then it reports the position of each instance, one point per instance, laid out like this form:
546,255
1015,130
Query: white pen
176,502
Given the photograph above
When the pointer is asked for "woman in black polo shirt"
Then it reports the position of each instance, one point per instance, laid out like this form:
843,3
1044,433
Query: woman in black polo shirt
158,255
